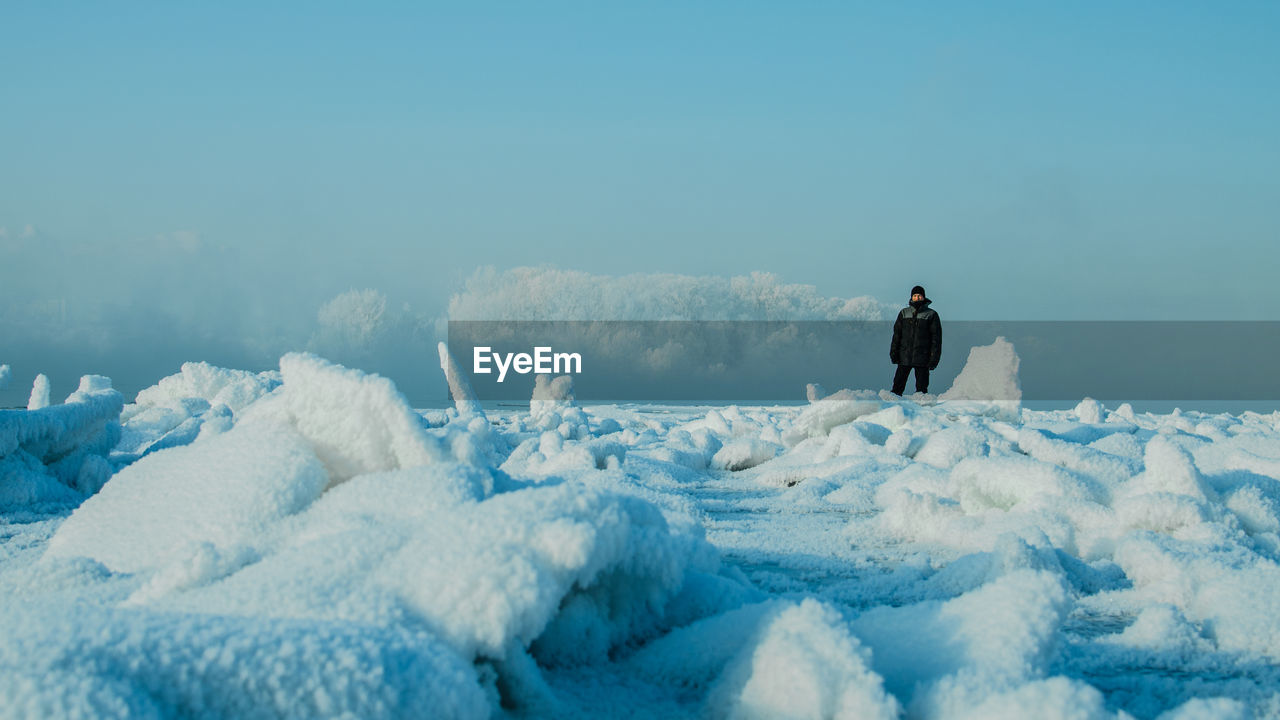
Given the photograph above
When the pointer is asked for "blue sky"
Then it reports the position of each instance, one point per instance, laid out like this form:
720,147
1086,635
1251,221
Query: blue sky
1022,160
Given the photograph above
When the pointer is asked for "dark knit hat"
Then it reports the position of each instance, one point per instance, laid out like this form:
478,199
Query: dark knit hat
918,289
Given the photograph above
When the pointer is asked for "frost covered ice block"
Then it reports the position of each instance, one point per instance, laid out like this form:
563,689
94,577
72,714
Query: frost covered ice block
57,454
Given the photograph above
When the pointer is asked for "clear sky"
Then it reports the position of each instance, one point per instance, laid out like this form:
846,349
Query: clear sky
1081,160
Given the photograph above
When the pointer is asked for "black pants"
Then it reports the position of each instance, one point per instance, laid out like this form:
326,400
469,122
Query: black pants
900,379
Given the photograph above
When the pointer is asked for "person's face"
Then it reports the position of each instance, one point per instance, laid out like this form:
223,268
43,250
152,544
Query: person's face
917,297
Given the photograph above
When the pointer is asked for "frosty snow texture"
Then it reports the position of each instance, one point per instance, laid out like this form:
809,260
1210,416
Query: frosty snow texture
302,543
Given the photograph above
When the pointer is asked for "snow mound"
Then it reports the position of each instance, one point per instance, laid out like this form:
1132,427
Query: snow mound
357,423
564,571
949,657
949,446
225,492
325,425
803,662
1236,595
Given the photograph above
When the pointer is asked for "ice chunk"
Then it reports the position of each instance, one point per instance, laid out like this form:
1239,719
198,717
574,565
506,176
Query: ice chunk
39,393
502,571
464,397
552,407
357,423
817,419
179,409
1124,412
743,453
25,481
989,376
1089,411
236,389
557,390
892,417
90,385
59,445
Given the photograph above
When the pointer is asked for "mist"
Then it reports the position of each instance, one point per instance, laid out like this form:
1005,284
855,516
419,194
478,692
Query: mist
136,313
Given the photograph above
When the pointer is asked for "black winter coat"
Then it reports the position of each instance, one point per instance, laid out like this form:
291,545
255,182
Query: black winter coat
917,337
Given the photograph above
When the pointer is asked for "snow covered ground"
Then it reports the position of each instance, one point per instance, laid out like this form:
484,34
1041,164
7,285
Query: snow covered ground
302,543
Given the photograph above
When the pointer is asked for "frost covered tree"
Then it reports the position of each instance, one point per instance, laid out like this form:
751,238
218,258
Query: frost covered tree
361,328
351,321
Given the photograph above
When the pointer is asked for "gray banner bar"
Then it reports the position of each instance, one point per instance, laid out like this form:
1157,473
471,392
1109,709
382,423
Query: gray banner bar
735,361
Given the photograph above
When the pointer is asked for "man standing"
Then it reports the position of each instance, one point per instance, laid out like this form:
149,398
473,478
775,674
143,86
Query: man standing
917,342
